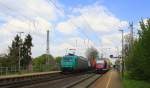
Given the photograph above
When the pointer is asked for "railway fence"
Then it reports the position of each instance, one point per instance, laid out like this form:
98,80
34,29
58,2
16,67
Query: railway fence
14,69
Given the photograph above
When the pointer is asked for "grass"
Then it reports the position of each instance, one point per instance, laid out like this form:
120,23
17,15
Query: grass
130,83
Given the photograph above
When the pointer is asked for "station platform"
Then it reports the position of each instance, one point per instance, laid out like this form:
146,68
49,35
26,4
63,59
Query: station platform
111,79
27,74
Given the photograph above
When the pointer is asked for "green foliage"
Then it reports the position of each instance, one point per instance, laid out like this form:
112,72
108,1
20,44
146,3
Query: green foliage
130,83
40,63
138,60
4,61
26,51
13,55
41,60
12,59
58,59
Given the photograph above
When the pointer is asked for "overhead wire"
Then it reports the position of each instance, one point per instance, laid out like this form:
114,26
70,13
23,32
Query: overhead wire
21,15
61,10
89,26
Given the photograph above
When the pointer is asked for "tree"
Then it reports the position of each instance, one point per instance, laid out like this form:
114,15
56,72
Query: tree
26,52
19,49
58,59
139,57
41,60
39,63
13,55
92,53
4,61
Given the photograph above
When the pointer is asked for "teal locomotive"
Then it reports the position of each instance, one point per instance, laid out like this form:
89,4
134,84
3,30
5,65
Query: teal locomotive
72,62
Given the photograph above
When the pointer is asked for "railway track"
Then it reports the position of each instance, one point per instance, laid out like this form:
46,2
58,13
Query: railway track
74,81
85,82
61,83
26,82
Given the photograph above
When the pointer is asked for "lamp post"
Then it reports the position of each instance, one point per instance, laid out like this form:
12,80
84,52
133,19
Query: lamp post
19,50
122,70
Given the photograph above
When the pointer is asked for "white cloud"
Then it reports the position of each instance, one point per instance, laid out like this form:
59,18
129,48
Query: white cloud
65,27
110,44
61,49
111,39
32,16
16,25
37,30
71,43
28,9
96,16
36,16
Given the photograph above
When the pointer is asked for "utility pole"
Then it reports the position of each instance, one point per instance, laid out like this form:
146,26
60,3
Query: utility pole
117,48
122,70
20,44
47,47
131,33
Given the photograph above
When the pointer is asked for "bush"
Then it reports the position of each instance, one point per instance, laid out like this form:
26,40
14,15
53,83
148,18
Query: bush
138,60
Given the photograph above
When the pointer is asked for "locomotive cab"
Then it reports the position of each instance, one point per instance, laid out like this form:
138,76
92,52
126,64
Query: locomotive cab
72,62
68,62
100,65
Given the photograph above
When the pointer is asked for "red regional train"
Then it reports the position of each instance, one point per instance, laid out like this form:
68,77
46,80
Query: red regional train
102,65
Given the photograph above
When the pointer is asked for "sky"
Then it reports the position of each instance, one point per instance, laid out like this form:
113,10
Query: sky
72,23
